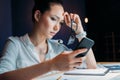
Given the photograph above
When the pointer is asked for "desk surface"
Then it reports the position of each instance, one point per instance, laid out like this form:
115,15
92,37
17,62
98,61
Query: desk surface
109,62
108,76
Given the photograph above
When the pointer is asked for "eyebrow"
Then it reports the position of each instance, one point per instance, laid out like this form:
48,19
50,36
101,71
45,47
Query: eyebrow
58,18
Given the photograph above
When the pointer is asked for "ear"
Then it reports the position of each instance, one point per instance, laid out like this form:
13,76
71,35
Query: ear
37,15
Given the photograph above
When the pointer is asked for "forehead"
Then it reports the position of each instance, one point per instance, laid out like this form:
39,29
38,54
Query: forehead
56,10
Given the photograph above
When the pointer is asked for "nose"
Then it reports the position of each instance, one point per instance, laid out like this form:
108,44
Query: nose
57,27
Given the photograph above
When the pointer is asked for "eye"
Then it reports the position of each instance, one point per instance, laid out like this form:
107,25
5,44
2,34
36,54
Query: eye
54,19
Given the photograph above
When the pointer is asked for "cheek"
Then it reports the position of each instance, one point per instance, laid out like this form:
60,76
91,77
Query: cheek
49,24
45,24
44,21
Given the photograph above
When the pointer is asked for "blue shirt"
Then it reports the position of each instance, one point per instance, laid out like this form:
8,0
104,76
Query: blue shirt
19,52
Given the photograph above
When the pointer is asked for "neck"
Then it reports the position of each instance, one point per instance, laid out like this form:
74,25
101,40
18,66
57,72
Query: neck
37,39
40,43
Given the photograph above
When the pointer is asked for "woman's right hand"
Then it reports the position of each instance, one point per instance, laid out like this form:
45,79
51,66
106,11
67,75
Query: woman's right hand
76,18
67,60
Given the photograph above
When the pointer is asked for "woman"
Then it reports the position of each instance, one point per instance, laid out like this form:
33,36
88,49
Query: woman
36,53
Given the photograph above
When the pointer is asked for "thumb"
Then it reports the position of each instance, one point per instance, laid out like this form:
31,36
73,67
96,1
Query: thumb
79,51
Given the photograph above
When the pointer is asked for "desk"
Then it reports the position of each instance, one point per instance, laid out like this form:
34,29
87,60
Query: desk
108,62
108,76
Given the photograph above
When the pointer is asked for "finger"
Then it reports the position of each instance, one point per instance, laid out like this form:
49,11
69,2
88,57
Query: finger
71,16
76,21
75,65
67,19
65,13
76,60
79,51
67,52
76,18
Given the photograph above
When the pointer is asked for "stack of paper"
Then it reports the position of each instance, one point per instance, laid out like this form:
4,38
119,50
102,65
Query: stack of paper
113,67
97,72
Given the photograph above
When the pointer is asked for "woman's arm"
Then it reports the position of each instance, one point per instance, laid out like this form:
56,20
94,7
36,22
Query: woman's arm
27,73
90,60
63,62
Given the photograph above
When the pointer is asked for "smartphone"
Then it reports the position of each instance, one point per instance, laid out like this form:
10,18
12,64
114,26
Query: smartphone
85,43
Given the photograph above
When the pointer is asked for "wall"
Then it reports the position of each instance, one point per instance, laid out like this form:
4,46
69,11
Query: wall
104,21
15,18
5,21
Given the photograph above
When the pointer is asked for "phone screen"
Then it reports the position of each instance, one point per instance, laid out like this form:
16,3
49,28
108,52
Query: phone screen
84,43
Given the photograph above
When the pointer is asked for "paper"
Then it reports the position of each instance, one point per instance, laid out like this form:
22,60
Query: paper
108,76
114,67
97,72
116,78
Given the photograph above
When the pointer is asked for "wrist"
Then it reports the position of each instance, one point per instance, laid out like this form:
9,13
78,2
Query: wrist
81,34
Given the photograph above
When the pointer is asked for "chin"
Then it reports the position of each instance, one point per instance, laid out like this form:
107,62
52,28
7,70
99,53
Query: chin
49,37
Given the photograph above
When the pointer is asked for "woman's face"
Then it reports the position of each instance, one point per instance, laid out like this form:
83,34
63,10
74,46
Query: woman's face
50,22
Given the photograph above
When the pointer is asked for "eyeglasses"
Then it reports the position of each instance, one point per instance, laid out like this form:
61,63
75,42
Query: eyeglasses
72,34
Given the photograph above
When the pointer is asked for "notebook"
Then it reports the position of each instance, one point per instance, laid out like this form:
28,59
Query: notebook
92,72
113,67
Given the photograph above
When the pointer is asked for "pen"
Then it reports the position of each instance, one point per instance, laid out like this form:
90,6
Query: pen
59,78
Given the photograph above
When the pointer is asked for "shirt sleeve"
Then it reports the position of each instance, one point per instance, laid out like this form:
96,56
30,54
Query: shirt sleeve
9,55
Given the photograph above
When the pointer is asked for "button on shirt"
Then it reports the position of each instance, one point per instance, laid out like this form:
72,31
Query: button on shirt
19,52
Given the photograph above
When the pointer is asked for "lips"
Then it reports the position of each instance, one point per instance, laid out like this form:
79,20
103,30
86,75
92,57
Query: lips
52,33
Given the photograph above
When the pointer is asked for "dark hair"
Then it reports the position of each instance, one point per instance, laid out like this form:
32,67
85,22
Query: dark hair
43,5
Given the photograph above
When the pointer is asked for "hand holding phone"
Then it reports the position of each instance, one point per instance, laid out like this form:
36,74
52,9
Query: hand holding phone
84,43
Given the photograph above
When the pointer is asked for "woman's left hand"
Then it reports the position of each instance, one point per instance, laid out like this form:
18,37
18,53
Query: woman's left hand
75,17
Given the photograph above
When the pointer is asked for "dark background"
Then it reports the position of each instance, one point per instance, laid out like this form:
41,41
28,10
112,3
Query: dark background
103,15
